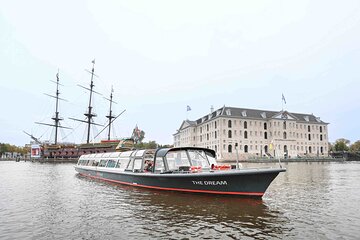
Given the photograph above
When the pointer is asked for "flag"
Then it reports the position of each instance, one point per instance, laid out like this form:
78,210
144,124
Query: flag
283,98
188,108
93,61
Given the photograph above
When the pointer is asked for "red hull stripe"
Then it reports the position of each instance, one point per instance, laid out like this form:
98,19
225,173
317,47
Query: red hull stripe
259,194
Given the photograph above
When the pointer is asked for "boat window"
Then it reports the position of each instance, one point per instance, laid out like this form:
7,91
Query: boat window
102,163
118,164
90,163
126,154
111,164
159,164
198,158
176,159
139,153
130,165
137,164
211,159
122,163
114,154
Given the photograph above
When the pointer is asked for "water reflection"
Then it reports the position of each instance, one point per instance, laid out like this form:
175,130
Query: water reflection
50,201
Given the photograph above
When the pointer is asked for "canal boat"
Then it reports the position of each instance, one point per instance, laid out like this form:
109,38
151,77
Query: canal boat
185,169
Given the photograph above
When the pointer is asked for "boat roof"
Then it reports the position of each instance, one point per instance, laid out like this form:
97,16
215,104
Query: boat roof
161,152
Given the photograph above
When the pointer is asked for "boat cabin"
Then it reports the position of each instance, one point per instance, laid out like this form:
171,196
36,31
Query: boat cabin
163,160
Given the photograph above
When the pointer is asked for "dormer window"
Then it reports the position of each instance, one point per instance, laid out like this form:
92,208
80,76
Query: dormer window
263,115
306,118
218,113
318,119
228,112
243,113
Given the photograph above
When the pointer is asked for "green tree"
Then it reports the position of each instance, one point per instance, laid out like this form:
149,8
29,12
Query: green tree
146,145
341,144
5,147
355,147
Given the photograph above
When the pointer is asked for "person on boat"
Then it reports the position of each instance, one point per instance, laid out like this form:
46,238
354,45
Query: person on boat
148,166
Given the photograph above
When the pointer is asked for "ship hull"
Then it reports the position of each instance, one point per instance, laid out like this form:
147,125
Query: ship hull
247,182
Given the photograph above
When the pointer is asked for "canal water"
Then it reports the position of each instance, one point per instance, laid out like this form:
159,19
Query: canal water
51,201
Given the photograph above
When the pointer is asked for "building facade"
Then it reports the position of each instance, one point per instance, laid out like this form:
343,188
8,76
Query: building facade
251,133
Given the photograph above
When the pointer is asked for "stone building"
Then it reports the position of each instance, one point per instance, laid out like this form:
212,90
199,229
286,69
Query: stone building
253,133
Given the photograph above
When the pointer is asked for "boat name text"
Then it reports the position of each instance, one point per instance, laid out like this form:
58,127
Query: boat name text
209,182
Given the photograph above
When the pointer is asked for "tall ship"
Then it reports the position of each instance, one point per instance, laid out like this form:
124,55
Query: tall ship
53,150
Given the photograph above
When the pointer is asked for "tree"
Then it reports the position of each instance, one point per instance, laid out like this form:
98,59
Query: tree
355,147
5,147
341,144
146,145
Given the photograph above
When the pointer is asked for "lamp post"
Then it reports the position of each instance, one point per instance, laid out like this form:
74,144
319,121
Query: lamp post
237,156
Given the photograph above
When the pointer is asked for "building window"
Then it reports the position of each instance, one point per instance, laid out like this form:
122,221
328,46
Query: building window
309,128
284,135
322,150
265,126
207,127
215,148
245,124
246,148
207,136
284,125
200,129
321,129
265,135
215,124
309,137
245,134
230,148
215,134
229,123
309,149
229,134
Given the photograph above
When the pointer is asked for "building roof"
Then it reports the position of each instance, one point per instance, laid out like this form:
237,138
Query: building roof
256,114
247,113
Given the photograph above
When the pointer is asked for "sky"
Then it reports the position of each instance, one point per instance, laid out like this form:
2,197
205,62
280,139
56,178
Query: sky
162,56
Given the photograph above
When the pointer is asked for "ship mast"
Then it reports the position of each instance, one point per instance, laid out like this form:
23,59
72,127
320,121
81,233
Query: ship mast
89,114
56,119
110,116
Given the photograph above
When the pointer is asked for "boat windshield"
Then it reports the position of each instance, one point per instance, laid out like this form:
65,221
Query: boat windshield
176,159
198,158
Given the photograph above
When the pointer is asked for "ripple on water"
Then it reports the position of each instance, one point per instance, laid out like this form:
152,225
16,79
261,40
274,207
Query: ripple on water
45,201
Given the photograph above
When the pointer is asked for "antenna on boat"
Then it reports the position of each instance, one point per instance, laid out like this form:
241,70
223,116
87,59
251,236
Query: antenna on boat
56,119
89,114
